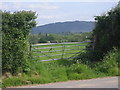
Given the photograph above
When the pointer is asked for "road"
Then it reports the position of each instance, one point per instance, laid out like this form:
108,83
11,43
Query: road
107,82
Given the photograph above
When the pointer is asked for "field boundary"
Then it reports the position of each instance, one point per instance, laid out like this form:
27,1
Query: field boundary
37,50
59,43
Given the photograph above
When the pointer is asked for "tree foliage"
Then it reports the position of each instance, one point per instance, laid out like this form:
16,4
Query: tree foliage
64,37
107,30
16,28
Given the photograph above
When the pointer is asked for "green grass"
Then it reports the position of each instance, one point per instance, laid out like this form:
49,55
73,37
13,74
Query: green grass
59,48
53,71
109,66
54,46
64,69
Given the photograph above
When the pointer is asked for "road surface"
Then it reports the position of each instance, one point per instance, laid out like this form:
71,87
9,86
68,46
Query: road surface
107,82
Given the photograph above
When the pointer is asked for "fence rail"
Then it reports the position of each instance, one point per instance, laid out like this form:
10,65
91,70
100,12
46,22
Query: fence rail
55,50
55,54
49,54
60,43
58,47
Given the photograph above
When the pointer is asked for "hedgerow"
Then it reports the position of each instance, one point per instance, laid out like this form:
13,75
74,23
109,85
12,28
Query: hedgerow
15,40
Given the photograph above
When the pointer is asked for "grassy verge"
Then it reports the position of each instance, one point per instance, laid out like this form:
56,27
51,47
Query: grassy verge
63,70
109,66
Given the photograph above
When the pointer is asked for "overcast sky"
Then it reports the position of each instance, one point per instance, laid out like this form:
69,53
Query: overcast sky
51,12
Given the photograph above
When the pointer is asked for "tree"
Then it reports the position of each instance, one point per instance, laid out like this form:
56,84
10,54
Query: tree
107,30
16,29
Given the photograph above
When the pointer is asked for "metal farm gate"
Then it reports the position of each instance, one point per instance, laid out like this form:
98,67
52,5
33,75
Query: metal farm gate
56,51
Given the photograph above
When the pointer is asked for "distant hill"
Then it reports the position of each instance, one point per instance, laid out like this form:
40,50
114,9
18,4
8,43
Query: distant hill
59,27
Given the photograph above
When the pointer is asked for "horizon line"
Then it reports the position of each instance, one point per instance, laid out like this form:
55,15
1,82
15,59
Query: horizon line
66,21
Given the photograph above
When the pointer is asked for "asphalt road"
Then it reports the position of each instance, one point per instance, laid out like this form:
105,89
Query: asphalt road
107,82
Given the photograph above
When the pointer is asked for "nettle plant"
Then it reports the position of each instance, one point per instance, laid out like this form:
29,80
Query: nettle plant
16,29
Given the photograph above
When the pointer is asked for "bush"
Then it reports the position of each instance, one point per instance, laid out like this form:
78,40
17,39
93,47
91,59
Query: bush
80,71
106,32
42,40
15,41
109,65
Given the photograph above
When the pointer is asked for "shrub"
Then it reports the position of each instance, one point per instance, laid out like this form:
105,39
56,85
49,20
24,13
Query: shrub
80,71
106,32
109,65
15,44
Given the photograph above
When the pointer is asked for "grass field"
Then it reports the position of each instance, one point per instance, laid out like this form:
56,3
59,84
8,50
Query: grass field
65,69
55,51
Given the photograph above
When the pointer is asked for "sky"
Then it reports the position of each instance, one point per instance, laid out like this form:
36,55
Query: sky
56,11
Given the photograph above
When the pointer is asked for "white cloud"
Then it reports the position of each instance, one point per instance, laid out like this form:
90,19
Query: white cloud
0,5
44,10
48,17
40,6
61,1
28,6
52,12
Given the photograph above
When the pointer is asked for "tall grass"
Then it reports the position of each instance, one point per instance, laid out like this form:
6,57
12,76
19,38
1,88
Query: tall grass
52,71
63,70
109,66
